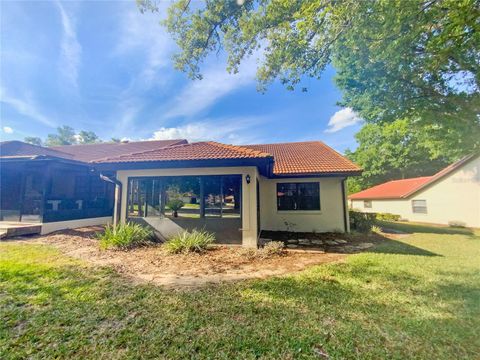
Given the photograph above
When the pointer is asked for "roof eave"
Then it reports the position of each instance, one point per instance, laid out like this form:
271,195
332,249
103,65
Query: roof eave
318,174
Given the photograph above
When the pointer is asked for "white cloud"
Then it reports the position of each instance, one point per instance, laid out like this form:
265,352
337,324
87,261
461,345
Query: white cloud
216,83
7,130
142,34
26,108
342,119
70,48
237,130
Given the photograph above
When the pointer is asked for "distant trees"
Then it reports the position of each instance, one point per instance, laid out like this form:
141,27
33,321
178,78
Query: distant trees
66,135
33,140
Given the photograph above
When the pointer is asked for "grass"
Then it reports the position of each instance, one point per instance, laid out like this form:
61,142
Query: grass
416,298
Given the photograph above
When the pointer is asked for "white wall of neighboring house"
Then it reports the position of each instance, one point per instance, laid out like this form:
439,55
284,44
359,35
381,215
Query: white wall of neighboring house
330,217
454,198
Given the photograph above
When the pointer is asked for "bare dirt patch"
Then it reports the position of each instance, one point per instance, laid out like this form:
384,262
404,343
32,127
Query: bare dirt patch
152,264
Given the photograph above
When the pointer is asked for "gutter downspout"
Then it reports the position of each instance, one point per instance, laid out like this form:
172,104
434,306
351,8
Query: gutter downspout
118,196
344,202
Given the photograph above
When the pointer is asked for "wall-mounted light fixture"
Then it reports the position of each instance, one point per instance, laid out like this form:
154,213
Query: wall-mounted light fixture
247,179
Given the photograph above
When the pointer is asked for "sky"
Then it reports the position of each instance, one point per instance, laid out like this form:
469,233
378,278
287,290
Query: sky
105,67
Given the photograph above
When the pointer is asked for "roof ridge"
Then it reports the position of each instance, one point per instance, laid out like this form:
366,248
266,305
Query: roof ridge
240,148
116,143
142,152
286,143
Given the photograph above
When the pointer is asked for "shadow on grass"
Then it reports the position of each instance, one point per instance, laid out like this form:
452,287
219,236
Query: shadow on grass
385,245
410,228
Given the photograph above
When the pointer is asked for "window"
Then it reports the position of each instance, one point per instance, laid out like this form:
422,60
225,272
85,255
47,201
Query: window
419,206
367,204
298,196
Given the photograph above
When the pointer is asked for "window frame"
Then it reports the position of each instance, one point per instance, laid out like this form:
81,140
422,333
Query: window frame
415,208
365,204
297,201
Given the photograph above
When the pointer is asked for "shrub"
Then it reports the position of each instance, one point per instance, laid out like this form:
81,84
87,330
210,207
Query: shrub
175,205
187,242
124,236
361,221
388,217
376,229
457,224
273,248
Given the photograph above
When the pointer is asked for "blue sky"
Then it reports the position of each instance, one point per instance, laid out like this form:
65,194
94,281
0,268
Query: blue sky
104,66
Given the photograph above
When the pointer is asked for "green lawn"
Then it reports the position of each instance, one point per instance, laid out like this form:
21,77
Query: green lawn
414,298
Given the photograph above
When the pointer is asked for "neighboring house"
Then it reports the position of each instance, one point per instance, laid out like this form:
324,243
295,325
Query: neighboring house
239,190
452,196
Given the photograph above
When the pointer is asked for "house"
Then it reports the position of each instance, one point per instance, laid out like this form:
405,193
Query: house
239,190
451,196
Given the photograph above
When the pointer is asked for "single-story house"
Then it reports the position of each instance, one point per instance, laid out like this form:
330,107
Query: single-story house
451,196
238,190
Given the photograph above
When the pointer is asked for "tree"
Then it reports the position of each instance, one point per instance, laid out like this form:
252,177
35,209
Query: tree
394,58
398,150
65,136
33,140
88,137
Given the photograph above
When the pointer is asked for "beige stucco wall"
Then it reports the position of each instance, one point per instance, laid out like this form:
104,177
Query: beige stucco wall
455,198
249,192
329,218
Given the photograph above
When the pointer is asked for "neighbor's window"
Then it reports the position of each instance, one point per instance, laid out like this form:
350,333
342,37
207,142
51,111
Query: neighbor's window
367,204
298,196
419,206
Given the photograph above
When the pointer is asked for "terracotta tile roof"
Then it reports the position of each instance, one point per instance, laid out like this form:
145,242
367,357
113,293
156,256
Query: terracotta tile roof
400,189
311,157
92,152
16,149
395,189
205,150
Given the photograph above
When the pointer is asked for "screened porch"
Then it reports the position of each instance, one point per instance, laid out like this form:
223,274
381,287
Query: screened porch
44,191
171,204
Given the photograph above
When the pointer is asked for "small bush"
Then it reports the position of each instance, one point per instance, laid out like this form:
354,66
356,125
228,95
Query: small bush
362,222
175,205
124,236
457,224
376,229
187,242
273,248
388,217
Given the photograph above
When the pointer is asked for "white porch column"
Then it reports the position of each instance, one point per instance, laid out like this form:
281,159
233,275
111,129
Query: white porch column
123,197
249,209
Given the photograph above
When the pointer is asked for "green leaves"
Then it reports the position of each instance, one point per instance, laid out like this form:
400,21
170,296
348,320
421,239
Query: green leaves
395,59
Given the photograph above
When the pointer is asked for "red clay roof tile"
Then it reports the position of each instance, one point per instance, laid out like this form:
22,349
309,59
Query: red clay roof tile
92,152
394,189
10,149
310,157
205,150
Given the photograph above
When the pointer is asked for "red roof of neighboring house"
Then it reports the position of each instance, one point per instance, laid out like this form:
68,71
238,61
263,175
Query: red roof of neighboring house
391,190
92,152
398,189
16,149
309,157
205,150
